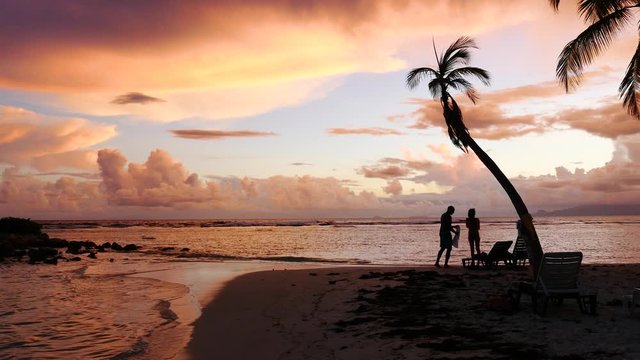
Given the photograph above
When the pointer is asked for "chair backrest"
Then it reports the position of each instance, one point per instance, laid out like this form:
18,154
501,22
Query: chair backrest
559,271
499,249
520,249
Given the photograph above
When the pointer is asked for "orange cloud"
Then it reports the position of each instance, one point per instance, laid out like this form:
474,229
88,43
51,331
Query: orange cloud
375,131
217,134
206,58
492,118
46,142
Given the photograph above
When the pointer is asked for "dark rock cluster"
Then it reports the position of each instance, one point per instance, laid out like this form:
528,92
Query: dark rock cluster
20,238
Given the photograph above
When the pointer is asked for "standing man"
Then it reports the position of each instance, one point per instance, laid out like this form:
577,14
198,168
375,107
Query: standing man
446,240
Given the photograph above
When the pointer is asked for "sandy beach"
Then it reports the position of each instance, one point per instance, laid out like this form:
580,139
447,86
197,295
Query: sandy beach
411,313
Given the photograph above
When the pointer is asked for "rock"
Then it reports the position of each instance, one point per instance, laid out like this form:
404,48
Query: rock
6,248
130,247
106,245
92,255
12,225
19,253
75,247
116,246
184,249
51,261
167,248
89,244
41,254
55,242
76,258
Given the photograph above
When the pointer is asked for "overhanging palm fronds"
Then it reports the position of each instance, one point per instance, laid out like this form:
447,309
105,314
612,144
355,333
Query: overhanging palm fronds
630,85
581,51
606,18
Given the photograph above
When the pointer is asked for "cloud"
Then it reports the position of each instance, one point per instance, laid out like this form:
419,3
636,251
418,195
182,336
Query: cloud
163,182
161,186
160,181
26,195
134,98
528,109
206,58
394,187
374,131
384,171
217,134
609,120
47,142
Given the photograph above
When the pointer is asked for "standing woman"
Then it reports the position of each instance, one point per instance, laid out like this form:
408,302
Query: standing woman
473,224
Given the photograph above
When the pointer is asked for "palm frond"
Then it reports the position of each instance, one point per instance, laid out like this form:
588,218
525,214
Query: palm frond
594,10
630,86
435,87
415,76
461,84
554,4
581,51
472,94
480,74
457,53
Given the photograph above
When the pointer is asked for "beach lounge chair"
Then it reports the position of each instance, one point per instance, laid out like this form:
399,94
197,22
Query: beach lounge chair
557,279
499,252
519,254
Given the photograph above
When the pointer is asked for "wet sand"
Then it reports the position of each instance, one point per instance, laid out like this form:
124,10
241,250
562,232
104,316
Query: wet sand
412,313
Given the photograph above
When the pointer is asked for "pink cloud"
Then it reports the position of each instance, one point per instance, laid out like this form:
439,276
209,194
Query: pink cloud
384,172
375,131
488,119
217,134
27,195
160,181
394,187
46,142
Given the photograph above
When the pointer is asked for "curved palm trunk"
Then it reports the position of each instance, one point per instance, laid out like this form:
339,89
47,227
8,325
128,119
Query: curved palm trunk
533,243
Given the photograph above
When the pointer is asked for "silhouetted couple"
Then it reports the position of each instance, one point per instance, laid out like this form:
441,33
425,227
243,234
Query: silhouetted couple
447,230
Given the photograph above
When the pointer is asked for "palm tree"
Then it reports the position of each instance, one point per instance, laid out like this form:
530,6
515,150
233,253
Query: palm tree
606,18
451,73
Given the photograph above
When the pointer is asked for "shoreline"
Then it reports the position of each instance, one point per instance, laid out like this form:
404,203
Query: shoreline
351,312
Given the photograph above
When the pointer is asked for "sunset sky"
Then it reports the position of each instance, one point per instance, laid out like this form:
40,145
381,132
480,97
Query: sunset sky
276,108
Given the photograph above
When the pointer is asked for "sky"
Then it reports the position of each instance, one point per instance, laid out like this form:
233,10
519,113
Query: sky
297,109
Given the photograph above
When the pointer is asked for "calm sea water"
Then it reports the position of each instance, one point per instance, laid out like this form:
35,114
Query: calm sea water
139,306
377,241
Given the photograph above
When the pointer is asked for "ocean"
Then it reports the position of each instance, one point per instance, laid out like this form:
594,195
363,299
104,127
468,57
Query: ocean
142,304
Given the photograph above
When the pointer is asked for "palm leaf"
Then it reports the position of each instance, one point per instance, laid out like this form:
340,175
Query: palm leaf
435,87
594,10
458,53
581,51
480,74
415,76
554,4
630,86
